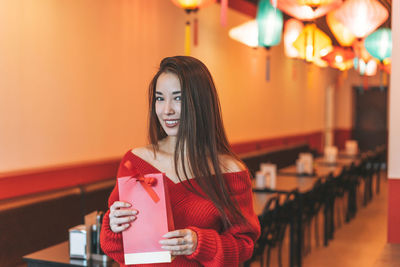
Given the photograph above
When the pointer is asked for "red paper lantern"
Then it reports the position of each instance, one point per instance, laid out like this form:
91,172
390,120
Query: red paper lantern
340,58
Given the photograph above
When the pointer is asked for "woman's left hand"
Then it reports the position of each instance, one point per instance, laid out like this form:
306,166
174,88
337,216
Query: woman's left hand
180,242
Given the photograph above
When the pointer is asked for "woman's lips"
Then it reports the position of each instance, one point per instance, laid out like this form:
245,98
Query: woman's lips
171,123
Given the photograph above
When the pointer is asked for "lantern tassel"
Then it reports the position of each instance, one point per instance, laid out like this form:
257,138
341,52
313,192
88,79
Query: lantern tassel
365,82
187,38
195,31
268,65
381,79
224,11
294,72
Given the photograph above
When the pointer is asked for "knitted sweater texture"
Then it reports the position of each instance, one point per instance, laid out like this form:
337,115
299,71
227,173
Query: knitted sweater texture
215,247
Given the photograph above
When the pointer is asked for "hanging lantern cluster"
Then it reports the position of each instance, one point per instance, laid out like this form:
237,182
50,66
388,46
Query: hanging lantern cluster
191,6
354,24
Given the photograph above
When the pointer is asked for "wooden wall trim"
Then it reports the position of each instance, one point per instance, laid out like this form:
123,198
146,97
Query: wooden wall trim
393,211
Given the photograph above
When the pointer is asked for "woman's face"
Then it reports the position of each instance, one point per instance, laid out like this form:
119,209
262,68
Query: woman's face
168,102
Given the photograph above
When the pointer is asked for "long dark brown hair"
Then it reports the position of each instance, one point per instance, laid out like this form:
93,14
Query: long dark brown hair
201,136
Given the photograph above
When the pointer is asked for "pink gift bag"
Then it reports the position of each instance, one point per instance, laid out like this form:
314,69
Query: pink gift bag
149,195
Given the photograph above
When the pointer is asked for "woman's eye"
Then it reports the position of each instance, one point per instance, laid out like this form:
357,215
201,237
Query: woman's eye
159,98
178,98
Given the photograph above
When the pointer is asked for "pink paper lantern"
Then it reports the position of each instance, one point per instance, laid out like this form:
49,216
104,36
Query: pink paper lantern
361,17
305,12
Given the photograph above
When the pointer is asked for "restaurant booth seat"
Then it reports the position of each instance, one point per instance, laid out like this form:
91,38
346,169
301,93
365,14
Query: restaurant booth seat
34,222
282,156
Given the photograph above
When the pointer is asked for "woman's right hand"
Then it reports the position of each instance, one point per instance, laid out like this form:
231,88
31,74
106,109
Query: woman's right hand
121,215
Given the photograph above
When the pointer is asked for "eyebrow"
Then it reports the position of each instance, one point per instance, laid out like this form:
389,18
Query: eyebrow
174,93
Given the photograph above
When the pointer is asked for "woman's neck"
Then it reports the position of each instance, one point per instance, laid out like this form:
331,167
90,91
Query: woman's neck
167,144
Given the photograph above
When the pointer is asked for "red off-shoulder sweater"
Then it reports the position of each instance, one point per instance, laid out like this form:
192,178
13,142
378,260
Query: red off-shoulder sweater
215,247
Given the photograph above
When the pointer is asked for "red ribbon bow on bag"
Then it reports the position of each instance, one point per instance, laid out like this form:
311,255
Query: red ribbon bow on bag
146,182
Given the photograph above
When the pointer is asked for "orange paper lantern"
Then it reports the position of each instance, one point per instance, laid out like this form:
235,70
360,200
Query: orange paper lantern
314,3
343,35
192,4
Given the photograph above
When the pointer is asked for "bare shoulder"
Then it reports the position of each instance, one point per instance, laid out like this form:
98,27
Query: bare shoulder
230,164
145,152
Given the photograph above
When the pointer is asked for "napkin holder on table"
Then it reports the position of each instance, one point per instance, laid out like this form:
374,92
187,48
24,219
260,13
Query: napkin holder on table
269,171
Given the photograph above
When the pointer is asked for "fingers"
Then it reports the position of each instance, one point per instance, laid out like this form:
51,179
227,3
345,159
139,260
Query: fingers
122,213
174,241
177,233
120,216
180,242
119,228
119,204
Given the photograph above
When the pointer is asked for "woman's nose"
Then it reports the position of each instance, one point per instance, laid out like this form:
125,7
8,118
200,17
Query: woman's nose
168,109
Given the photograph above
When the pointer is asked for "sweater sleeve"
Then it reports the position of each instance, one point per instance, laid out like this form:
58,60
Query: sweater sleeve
236,244
111,243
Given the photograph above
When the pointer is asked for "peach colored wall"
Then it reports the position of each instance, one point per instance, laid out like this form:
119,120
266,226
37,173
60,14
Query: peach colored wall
394,97
74,74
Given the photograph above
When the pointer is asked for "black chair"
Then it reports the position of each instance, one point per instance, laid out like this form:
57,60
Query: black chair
340,191
269,231
329,196
289,214
312,202
351,183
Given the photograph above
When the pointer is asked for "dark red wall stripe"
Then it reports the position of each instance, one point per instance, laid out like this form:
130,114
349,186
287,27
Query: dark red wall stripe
41,180
29,182
394,211
244,7
340,137
313,139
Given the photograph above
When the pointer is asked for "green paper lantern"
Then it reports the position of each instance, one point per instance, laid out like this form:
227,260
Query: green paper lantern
270,24
379,43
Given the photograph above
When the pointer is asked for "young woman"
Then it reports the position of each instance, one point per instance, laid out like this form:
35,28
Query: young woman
209,187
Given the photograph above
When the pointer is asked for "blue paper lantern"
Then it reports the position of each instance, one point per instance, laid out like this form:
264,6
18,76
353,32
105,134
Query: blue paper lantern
270,24
379,44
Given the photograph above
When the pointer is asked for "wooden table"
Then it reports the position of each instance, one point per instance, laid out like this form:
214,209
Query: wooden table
58,256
